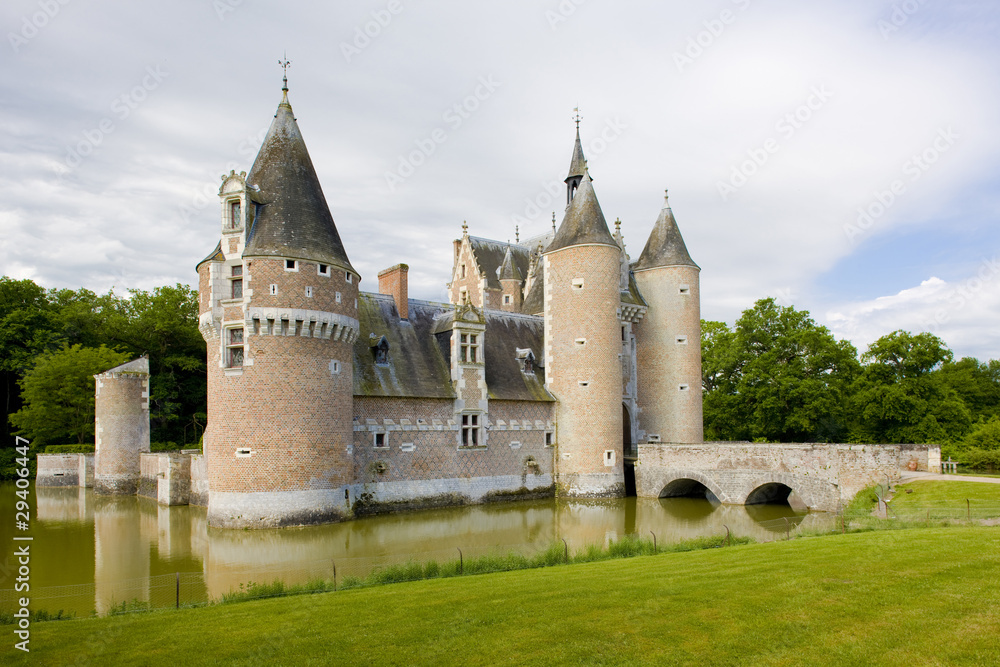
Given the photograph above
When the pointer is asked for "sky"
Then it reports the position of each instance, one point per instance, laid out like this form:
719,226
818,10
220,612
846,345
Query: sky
840,156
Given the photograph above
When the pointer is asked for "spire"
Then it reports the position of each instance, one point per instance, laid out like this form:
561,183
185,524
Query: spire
508,269
577,164
665,246
291,217
584,222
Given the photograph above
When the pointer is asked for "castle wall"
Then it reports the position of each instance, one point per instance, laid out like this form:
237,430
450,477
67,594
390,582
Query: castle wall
166,478
423,465
583,371
58,470
121,427
199,481
668,370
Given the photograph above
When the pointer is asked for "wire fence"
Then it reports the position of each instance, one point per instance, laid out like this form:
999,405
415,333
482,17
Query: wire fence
192,589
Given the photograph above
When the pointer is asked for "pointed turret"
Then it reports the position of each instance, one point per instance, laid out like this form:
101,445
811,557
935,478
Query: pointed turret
291,218
510,281
665,246
584,222
508,269
577,167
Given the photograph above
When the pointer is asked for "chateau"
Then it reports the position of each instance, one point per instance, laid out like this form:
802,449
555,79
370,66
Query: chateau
553,360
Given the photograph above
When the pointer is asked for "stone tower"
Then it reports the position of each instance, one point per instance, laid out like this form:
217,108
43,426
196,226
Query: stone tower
121,427
278,304
510,280
582,343
669,337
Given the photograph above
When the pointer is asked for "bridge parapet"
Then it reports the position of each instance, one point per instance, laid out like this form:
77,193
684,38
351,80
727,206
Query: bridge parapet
820,476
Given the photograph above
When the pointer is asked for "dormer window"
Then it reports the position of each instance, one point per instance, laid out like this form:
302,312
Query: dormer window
526,358
381,351
234,221
348,277
291,265
469,348
323,269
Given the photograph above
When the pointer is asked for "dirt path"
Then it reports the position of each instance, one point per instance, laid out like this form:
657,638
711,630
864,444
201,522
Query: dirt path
914,476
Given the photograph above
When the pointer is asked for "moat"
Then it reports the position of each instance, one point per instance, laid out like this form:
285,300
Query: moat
107,550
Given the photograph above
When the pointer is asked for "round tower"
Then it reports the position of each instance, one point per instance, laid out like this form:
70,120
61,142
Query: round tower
121,427
668,338
510,280
279,312
582,346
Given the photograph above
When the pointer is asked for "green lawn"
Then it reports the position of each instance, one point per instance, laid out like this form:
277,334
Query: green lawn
950,494
904,597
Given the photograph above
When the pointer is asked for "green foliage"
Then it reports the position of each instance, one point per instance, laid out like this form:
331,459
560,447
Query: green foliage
776,376
901,396
58,394
69,449
9,465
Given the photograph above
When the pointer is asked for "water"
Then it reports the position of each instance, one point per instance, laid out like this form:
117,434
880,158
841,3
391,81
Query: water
91,552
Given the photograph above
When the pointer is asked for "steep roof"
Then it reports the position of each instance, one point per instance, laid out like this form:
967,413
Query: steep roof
534,300
489,256
665,246
578,163
508,268
215,256
292,218
584,222
506,333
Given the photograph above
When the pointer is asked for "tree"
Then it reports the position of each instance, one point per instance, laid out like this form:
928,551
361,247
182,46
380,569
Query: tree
902,397
58,395
777,376
976,383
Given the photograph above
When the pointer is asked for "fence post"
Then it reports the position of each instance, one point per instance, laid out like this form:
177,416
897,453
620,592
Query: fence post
968,510
654,541
334,574
461,564
728,540
566,547
178,591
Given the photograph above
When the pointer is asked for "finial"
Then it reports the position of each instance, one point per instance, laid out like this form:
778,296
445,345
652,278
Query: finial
465,228
553,221
666,198
577,118
517,233
285,64
618,226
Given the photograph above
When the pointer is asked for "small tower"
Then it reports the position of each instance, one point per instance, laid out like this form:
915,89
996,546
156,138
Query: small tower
582,344
121,427
577,168
510,281
668,339
279,311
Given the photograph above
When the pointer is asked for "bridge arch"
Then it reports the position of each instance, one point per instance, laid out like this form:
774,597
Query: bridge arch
799,492
679,483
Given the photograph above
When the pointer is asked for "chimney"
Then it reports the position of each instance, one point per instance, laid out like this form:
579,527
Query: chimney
392,281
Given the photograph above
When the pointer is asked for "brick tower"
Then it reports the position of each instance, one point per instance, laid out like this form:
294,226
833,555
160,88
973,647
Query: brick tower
668,339
121,427
582,342
278,304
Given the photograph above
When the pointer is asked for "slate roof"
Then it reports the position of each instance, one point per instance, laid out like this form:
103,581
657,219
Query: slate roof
578,163
584,222
534,300
489,256
215,255
665,246
419,364
292,218
508,269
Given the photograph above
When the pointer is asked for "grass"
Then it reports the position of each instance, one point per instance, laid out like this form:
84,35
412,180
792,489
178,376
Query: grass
950,494
914,597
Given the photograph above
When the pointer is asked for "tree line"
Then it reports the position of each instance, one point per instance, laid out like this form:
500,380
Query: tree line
53,341
777,376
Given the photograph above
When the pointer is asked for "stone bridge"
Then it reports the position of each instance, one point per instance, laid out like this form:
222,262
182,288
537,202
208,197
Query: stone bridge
813,476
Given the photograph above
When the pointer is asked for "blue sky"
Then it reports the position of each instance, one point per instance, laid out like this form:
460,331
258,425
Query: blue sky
771,122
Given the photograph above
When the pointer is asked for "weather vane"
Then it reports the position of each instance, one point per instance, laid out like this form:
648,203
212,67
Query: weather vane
578,117
285,64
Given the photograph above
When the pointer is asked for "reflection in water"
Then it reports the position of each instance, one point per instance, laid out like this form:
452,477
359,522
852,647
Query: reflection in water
116,544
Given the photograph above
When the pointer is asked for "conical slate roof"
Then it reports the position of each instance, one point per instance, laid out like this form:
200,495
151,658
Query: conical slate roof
665,246
292,219
578,165
584,222
508,269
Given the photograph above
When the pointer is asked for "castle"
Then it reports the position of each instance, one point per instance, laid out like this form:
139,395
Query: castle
552,362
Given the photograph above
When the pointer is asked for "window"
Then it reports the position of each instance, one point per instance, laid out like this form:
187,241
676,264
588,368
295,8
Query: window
323,269
470,430
273,290
309,292
380,440
578,283
506,299
550,438
609,457
684,289
463,270
338,297
469,353
236,291
291,265
381,350
234,215
463,296
348,276
234,348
